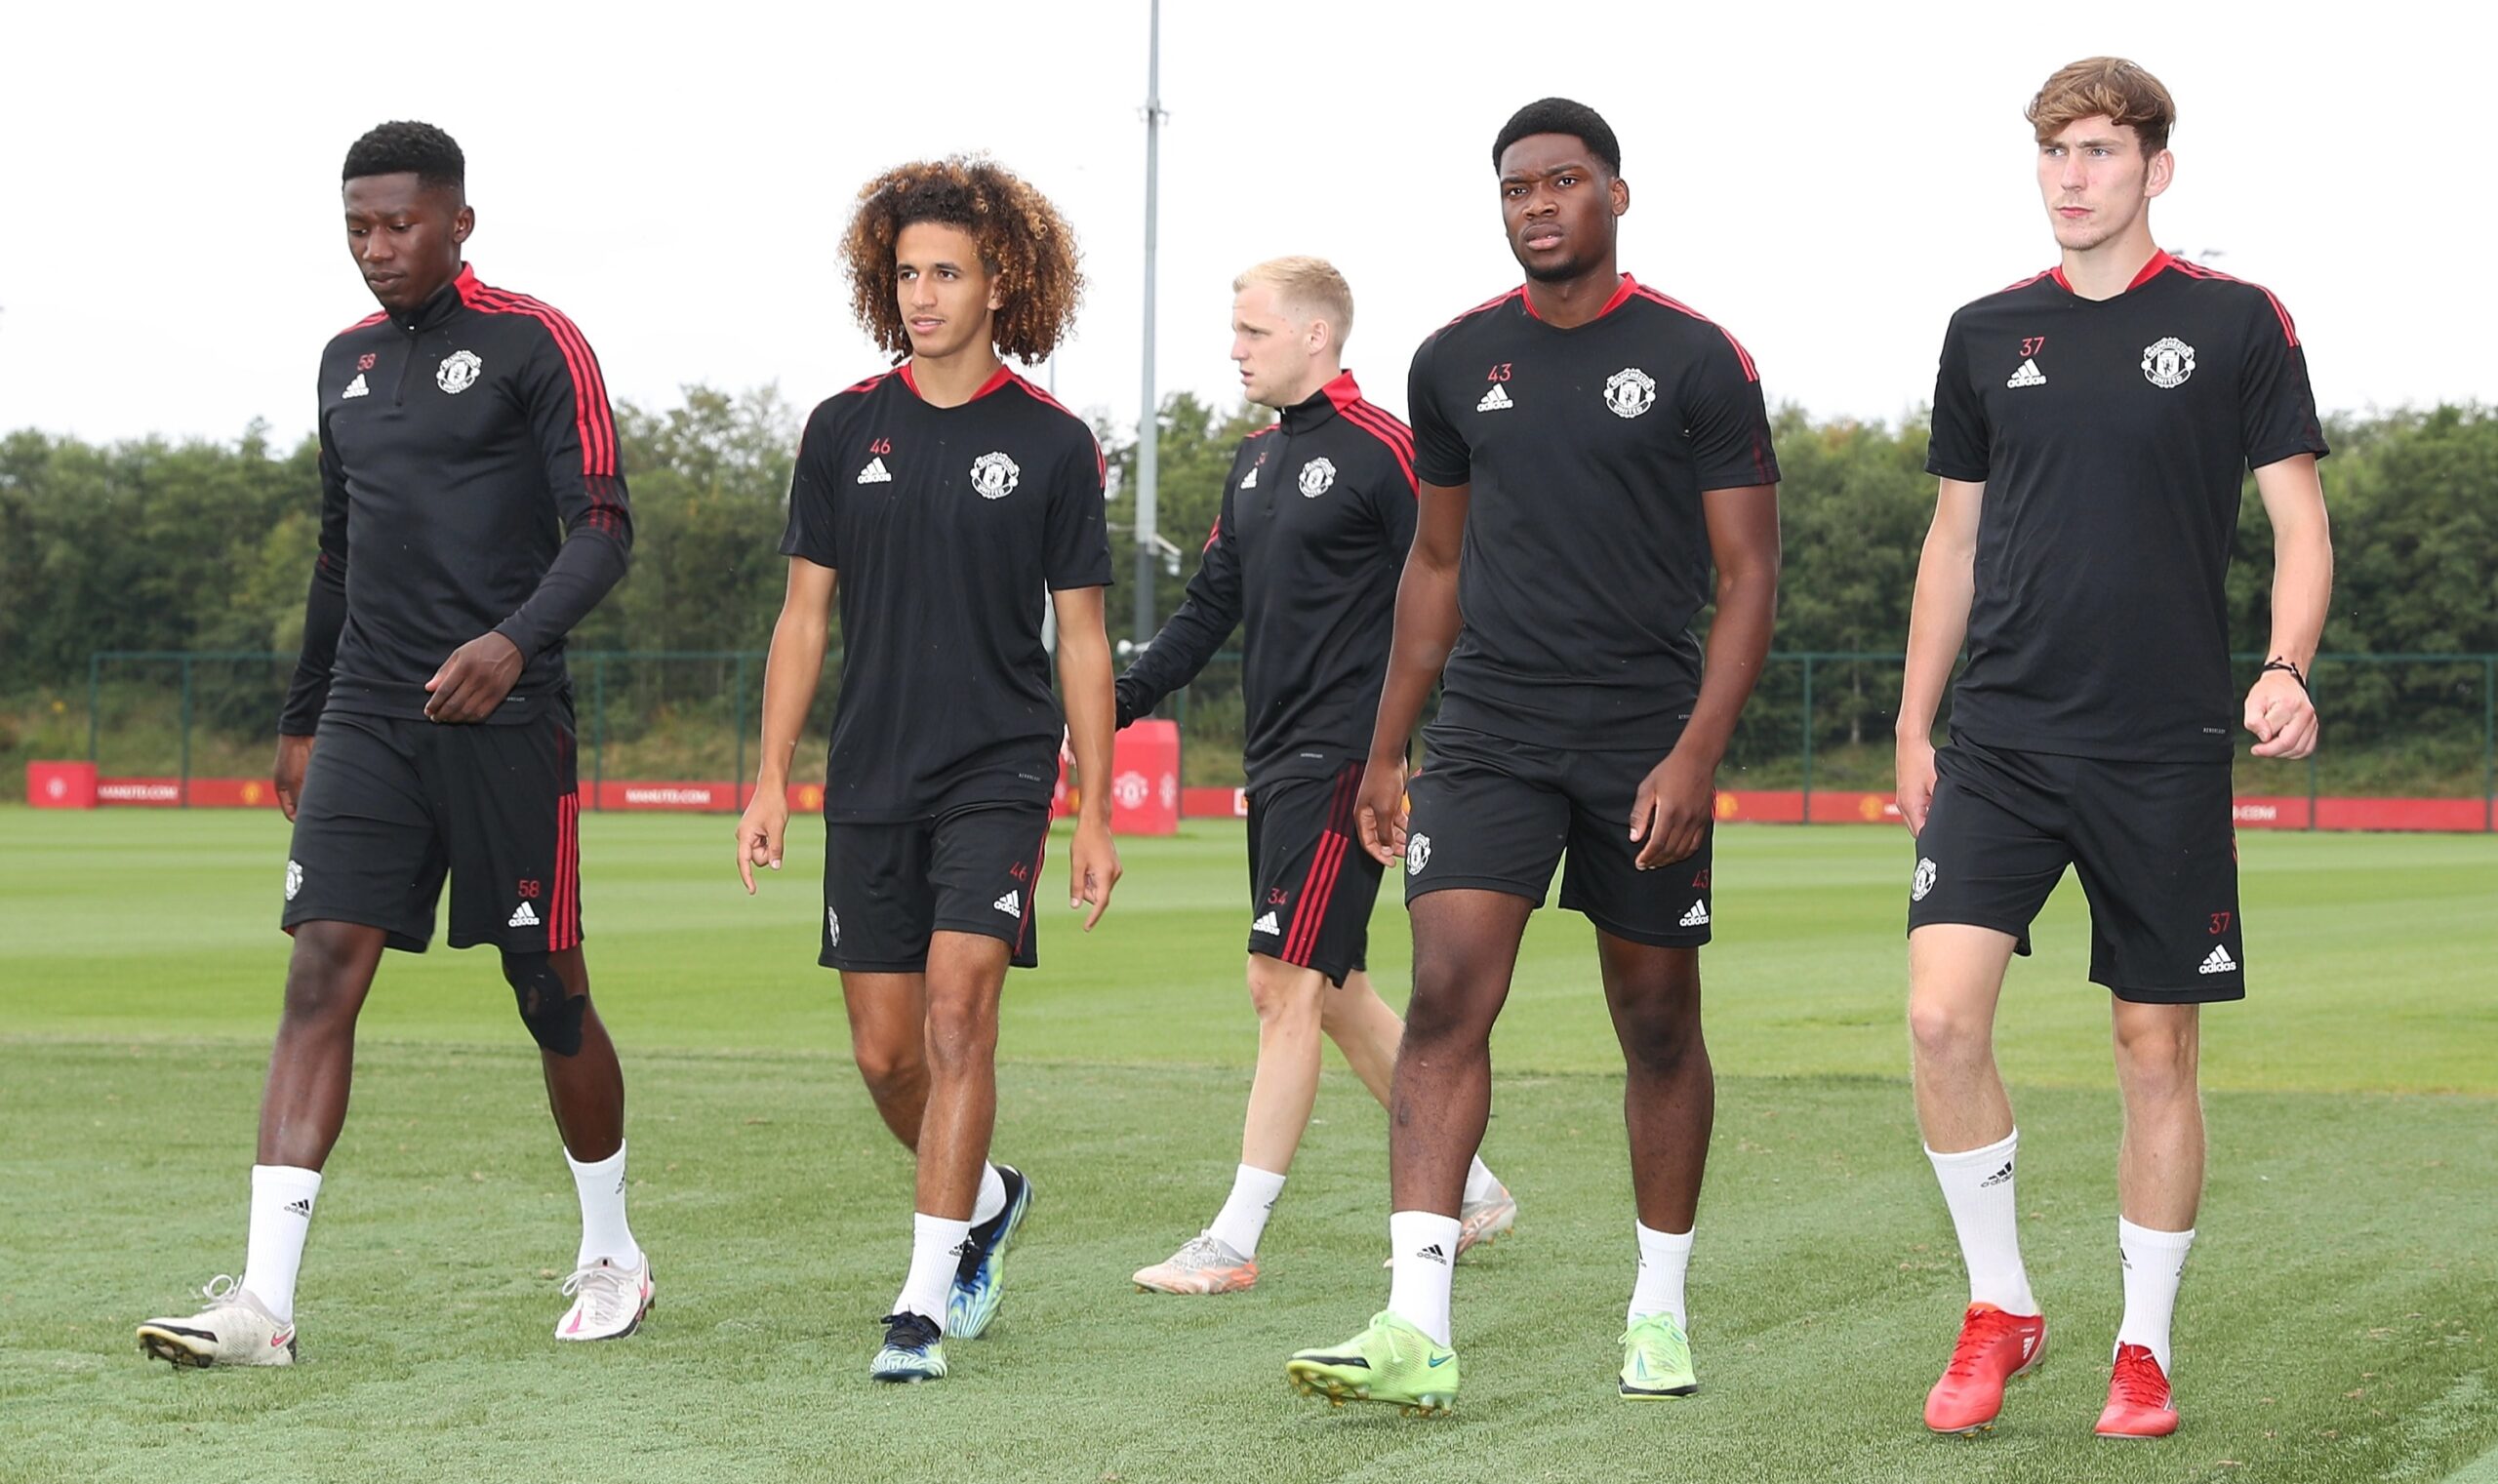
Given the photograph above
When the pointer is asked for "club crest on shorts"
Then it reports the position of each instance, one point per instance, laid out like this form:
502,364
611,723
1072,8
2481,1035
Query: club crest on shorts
832,928
1923,881
995,476
1317,476
1630,391
293,880
1418,854
458,372
2169,362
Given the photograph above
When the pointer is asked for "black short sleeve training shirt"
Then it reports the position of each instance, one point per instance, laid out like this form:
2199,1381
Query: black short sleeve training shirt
948,527
1587,550
2112,437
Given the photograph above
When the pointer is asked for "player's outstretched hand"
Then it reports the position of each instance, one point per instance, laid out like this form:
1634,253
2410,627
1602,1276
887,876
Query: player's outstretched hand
2281,716
760,831
294,754
1912,775
1092,869
1380,809
474,680
1670,814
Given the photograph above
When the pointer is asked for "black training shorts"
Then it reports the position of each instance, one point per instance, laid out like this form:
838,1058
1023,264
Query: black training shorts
887,887
391,805
1496,814
2153,843
1311,884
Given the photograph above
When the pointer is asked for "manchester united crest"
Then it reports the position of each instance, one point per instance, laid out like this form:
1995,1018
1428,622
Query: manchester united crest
1317,476
2169,362
995,476
1630,391
458,371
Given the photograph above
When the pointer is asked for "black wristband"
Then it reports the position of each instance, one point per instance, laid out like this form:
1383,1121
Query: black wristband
2292,668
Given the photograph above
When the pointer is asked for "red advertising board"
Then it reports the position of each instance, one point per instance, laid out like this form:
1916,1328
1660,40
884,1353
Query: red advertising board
61,786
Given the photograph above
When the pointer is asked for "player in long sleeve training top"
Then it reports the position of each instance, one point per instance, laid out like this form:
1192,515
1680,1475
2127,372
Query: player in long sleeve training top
946,499
1317,514
472,514
2093,429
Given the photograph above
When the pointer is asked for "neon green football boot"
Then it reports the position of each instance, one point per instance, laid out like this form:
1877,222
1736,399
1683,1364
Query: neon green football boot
1391,1361
1656,1360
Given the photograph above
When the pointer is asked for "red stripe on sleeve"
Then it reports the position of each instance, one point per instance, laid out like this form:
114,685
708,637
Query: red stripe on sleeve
1751,373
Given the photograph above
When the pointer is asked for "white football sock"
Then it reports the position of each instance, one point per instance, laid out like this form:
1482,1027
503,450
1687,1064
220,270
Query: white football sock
1977,1187
604,1233
2153,1261
936,1252
1480,1184
1664,1258
282,1197
1243,1218
1422,1248
993,1195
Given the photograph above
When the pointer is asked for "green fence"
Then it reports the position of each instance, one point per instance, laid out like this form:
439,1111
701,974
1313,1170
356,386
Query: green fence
2408,725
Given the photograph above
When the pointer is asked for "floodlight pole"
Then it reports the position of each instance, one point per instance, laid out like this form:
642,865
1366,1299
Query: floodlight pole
1149,426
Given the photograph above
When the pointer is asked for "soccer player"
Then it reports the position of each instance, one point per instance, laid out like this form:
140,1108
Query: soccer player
1588,446
946,496
472,514
2092,424
1316,515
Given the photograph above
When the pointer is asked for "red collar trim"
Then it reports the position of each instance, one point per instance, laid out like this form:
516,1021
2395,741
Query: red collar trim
2159,262
1003,375
1620,296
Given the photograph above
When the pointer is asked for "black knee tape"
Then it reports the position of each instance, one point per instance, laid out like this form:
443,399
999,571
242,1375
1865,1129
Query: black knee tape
554,1017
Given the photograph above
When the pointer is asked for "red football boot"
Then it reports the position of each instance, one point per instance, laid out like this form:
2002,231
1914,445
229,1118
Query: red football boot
2139,1401
1995,1347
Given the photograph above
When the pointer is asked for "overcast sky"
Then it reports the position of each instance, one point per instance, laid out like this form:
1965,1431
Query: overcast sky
1828,183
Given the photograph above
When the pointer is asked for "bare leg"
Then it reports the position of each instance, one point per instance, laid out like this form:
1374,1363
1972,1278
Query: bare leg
966,972
1365,1030
1669,1100
304,1103
1285,1089
1955,976
1466,947
586,1089
2159,1164
889,1040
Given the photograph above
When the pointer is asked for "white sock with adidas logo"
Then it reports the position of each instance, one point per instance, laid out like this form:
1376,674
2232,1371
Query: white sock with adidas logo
282,1197
1977,1187
936,1251
1421,1249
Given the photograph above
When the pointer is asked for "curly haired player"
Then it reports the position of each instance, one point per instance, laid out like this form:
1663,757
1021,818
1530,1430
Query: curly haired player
941,500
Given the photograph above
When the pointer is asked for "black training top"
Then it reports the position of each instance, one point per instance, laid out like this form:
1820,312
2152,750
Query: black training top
1316,515
949,527
2112,437
469,483
1587,550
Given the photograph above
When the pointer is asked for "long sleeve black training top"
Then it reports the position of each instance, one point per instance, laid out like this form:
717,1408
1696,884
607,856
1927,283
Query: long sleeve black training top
469,483
1318,514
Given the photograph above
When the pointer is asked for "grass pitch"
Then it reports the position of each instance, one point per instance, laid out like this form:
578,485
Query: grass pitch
2335,1323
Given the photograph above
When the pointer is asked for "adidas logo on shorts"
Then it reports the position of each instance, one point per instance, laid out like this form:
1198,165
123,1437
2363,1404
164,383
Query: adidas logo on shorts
1698,917
2217,961
1012,903
523,916
1267,925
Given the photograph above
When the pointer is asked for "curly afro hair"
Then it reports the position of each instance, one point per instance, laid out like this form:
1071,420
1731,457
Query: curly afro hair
1023,242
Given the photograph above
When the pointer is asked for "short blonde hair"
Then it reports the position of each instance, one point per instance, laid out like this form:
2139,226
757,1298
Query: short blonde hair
2111,85
1312,286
